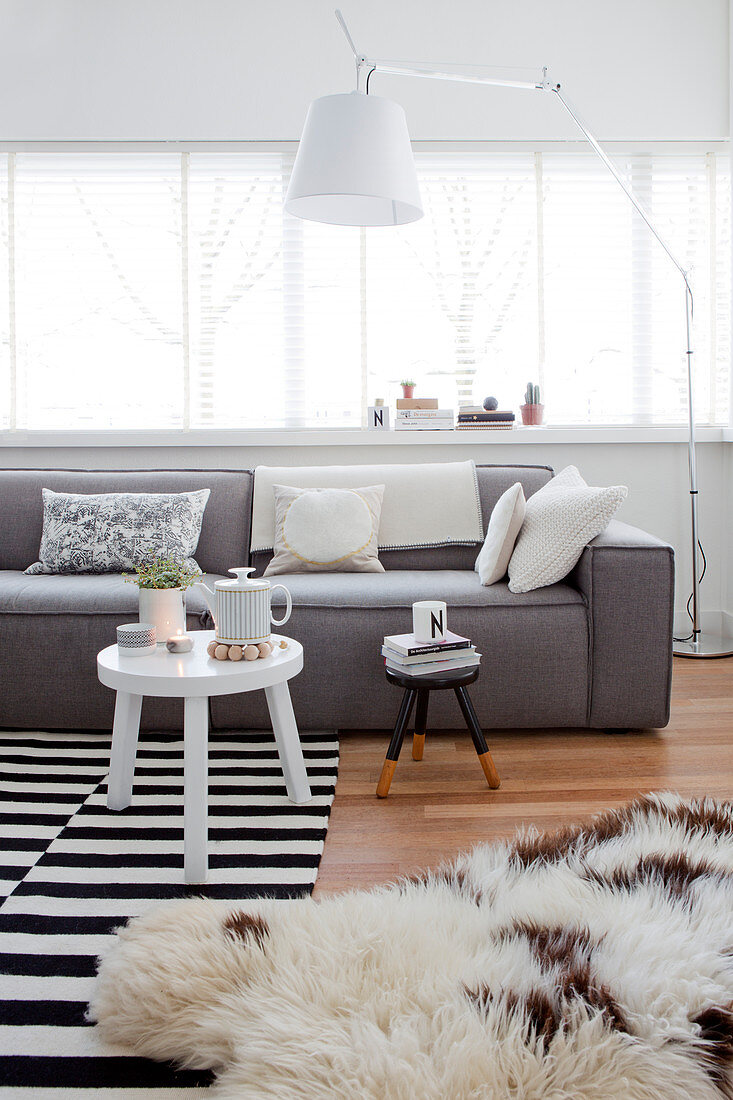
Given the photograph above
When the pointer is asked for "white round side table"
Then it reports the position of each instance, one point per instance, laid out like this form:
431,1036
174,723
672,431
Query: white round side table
194,677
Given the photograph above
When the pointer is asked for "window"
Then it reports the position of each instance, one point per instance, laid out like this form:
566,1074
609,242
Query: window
169,290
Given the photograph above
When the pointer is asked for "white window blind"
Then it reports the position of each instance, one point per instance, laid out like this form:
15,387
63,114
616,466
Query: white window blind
95,284
169,290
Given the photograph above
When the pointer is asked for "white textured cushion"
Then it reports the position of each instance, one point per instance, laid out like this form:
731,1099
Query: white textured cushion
326,530
504,526
561,519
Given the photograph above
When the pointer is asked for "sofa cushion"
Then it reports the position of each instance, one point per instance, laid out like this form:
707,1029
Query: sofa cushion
224,537
560,521
116,532
535,649
495,480
326,530
79,594
402,588
492,482
409,516
505,524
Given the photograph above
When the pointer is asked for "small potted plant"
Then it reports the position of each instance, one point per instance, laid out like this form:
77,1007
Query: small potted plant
408,387
532,409
162,584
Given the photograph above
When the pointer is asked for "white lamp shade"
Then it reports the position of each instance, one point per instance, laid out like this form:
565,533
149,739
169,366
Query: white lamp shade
354,164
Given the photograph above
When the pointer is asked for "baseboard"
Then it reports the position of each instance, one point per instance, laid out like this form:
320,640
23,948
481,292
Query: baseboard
712,622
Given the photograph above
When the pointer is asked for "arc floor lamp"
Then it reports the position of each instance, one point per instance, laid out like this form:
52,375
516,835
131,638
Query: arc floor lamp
354,166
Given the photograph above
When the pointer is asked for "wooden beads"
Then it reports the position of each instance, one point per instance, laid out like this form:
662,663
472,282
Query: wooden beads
223,652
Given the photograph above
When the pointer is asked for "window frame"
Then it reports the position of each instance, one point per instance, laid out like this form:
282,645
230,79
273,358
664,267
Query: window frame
297,435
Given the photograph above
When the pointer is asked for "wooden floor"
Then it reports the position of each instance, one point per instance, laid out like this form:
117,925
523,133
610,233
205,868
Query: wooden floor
441,805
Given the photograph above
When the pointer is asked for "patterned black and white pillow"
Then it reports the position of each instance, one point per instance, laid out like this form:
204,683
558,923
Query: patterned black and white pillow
112,532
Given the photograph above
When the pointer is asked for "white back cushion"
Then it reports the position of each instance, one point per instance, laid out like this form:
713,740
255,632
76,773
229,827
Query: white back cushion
425,504
504,526
561,519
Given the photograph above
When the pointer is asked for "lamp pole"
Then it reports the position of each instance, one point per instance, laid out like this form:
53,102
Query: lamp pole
697,643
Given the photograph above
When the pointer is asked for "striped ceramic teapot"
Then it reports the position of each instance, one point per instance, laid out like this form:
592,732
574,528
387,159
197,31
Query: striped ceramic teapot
242,612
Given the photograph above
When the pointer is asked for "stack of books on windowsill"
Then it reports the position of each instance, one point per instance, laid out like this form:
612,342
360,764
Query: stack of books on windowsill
474,416
403,654
416,414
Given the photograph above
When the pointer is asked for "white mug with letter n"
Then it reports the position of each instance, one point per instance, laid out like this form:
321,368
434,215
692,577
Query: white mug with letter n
429,621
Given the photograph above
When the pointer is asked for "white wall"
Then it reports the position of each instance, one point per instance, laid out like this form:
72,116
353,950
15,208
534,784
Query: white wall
246,69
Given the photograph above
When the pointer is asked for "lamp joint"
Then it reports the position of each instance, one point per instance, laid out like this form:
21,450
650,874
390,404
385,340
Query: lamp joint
361,63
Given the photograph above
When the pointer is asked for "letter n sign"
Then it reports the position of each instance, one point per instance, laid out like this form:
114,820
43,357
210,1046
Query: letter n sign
437,629
378,418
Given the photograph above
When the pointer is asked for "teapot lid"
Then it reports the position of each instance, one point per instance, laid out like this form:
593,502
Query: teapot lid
243,583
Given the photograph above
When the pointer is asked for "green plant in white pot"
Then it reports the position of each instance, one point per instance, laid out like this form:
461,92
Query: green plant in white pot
162,584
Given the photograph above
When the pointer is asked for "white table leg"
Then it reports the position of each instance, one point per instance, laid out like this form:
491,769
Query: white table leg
195,789
288,742
124,748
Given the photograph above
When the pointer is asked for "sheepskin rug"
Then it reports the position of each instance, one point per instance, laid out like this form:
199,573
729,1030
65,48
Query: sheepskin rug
595,963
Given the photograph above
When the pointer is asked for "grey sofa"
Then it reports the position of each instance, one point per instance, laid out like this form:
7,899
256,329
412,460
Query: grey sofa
592,651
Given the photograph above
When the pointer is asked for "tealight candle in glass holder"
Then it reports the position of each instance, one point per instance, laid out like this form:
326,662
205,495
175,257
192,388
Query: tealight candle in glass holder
179,643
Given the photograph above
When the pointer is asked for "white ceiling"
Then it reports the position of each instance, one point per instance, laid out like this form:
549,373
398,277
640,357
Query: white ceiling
246,69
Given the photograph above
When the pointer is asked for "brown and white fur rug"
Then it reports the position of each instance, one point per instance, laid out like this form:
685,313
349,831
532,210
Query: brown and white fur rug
595,963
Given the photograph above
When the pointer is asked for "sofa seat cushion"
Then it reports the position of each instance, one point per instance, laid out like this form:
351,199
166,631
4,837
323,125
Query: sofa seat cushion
80,594
534,646
402,588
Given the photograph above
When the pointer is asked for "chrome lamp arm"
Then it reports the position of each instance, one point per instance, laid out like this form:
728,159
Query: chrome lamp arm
697,644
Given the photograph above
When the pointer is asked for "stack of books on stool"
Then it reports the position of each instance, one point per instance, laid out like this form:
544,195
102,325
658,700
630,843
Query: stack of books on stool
474,416
403,654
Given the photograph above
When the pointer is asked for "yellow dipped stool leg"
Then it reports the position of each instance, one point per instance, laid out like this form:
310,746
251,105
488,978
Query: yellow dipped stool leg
393,752
492,775
385,779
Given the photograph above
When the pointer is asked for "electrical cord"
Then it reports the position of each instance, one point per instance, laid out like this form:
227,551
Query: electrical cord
689,637
368,78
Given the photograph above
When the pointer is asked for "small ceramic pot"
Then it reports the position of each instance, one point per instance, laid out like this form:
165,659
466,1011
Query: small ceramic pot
165,608
408,391
531,414
136,639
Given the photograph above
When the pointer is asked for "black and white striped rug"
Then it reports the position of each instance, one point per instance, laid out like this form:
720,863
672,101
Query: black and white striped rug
71,871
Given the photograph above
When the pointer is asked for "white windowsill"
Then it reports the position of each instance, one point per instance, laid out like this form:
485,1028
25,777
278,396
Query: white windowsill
335,437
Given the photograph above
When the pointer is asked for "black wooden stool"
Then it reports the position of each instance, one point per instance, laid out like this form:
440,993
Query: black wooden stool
419,687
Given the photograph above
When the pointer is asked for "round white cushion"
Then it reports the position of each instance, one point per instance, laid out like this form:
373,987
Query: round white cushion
326,530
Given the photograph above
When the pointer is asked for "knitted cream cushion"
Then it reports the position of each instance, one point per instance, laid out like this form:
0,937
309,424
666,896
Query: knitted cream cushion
561,519
504,527
326,530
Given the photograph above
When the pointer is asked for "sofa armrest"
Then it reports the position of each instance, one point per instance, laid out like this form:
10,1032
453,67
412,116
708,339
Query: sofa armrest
627,577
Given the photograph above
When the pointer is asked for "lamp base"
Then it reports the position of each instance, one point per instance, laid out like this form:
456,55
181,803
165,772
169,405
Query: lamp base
707,645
